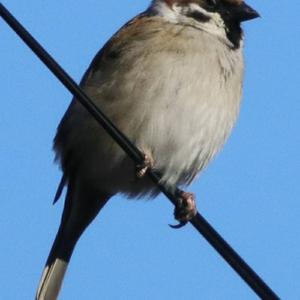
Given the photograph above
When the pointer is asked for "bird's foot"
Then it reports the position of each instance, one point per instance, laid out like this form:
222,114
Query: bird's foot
185,209
142,168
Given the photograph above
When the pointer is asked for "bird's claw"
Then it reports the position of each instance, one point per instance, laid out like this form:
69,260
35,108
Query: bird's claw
142,168
179,225
185,209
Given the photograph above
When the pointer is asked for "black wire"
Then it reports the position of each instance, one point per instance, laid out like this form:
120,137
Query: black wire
199,222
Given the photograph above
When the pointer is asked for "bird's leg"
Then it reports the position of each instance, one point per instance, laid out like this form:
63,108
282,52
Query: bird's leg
185,208
147,164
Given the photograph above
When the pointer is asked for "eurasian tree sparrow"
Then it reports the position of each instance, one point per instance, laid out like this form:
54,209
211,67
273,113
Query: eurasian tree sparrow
171,80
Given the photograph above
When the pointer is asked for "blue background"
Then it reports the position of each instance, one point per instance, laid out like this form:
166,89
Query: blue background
250,193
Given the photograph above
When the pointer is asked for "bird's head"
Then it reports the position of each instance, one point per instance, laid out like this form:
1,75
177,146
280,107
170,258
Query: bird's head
215,16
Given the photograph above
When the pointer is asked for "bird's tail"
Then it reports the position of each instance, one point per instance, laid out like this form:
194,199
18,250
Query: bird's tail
81,207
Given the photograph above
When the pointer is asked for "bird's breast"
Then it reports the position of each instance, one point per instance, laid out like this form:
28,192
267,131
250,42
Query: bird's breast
179,103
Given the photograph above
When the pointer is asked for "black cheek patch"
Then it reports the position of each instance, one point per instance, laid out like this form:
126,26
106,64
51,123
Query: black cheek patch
198,16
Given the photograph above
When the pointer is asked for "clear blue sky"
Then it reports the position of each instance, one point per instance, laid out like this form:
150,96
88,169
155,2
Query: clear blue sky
250,193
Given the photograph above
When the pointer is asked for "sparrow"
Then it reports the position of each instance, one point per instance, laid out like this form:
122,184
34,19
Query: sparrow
171,80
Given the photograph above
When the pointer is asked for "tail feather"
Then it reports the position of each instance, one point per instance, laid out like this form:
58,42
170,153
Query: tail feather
51,280
60,189
81,207
56,266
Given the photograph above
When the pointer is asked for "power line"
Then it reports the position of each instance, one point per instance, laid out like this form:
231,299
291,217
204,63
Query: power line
199,222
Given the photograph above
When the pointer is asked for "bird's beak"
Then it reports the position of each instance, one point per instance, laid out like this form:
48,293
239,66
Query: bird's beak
244,12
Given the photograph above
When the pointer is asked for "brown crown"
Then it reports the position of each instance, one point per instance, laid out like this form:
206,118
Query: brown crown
182,2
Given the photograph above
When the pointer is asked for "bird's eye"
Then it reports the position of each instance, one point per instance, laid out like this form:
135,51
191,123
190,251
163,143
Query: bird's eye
212,3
